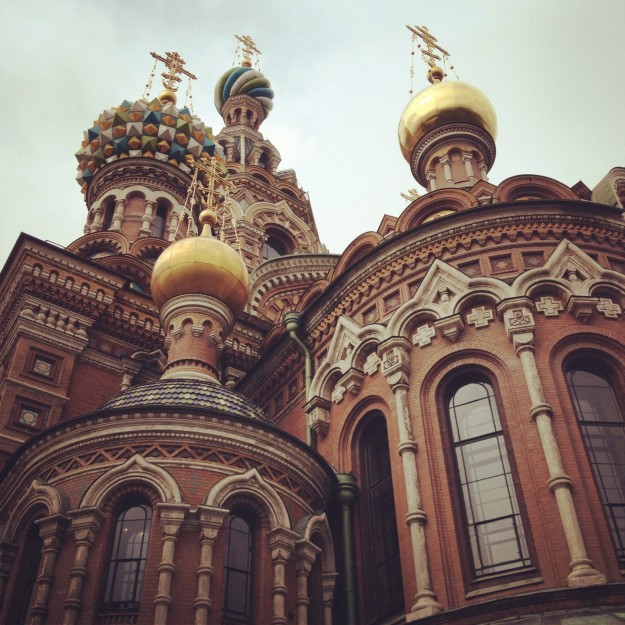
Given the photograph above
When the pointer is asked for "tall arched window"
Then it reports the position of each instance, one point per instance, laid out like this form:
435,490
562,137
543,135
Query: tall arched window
127,563
160,220
237,601
493,524
26,576
602,421
380,544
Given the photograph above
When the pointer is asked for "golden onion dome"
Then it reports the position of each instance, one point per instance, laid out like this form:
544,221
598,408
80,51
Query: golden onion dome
201,265
445,102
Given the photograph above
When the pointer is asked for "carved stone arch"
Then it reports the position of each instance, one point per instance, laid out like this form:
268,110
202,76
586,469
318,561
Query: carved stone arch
146,247
317,524
491,290
356,250
137,191
325,379
442,200
570,265
545,286
252,484
348,436
313,292
135,469
38,495
264,214
115,242
524,186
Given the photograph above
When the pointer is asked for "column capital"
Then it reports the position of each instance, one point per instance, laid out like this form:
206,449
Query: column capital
172,515
86,523
395,354
305,555
282,541
211,521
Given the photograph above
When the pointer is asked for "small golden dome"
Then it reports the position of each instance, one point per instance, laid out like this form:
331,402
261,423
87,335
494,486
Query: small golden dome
442,103
201,265
168,96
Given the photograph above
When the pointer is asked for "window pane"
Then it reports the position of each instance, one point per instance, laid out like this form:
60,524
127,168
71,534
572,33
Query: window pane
603,428
238,568
491,509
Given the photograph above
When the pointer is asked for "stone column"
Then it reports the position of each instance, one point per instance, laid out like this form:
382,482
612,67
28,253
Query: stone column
85,525
467,158
281,541
96,224
51,530
211,520
519,324
8,553
118,215
396,369
431,179
173,225
171,515
305,555
146,220
444,160
328,586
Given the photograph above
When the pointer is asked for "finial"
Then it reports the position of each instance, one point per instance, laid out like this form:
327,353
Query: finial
435,73
411,195
174,63
248,49
209,179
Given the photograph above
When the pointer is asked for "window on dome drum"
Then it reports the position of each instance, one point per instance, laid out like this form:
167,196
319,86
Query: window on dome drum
602,422
160,220
127,563
380,543
26,579
493,523
238,573
273,248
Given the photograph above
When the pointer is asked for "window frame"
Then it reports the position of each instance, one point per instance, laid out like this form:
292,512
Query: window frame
453,382
603,367
126,605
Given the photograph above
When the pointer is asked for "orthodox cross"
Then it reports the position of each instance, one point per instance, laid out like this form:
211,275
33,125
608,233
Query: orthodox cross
430,56
174,63
248,49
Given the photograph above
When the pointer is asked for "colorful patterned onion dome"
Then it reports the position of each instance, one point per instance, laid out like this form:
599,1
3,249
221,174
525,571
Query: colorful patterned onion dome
155,129
244,81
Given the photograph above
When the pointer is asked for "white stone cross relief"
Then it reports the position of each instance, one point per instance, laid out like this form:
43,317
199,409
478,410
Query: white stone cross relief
480,317
549,306
608,308
372,363
423,336
337,394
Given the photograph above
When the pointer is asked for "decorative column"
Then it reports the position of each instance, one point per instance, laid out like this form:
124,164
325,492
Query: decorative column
173,225
431,179
444,161
519,324
305,555
346,495
171,515
396,369
51,530
8,553
96,224
328,586
118,215
467,158
146,220
281,541
85,525
211,520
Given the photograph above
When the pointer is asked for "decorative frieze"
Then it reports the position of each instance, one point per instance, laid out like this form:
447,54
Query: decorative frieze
372,363
480,317
549,306
423,336
609,308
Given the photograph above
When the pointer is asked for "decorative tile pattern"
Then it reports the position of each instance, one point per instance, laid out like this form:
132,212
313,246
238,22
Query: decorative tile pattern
186,394
144,129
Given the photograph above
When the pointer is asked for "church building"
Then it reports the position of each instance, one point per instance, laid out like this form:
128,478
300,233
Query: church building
206,418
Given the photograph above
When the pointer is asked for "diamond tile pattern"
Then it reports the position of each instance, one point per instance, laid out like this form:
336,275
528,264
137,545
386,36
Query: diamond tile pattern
187,394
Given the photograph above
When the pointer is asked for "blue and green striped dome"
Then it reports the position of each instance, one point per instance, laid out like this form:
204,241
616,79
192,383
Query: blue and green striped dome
244,81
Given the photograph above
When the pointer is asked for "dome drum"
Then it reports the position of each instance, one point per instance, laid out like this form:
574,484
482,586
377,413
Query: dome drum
451,136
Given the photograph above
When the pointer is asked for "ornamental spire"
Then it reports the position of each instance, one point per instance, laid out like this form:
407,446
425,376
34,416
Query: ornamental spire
175,66
431,53
248,49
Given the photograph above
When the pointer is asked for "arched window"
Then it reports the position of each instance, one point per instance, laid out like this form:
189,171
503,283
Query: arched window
107,218
380,544
160,220
26,577
602,421
127,563
493,524
238,570
277,243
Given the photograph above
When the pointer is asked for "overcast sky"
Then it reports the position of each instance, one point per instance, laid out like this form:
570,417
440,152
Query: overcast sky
553,69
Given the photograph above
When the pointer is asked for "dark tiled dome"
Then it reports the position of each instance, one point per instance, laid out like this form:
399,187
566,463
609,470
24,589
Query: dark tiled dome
187,394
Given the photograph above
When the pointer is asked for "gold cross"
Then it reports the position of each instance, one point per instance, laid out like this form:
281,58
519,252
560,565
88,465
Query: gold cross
411,195
174,63
249,48
430,57
208,179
